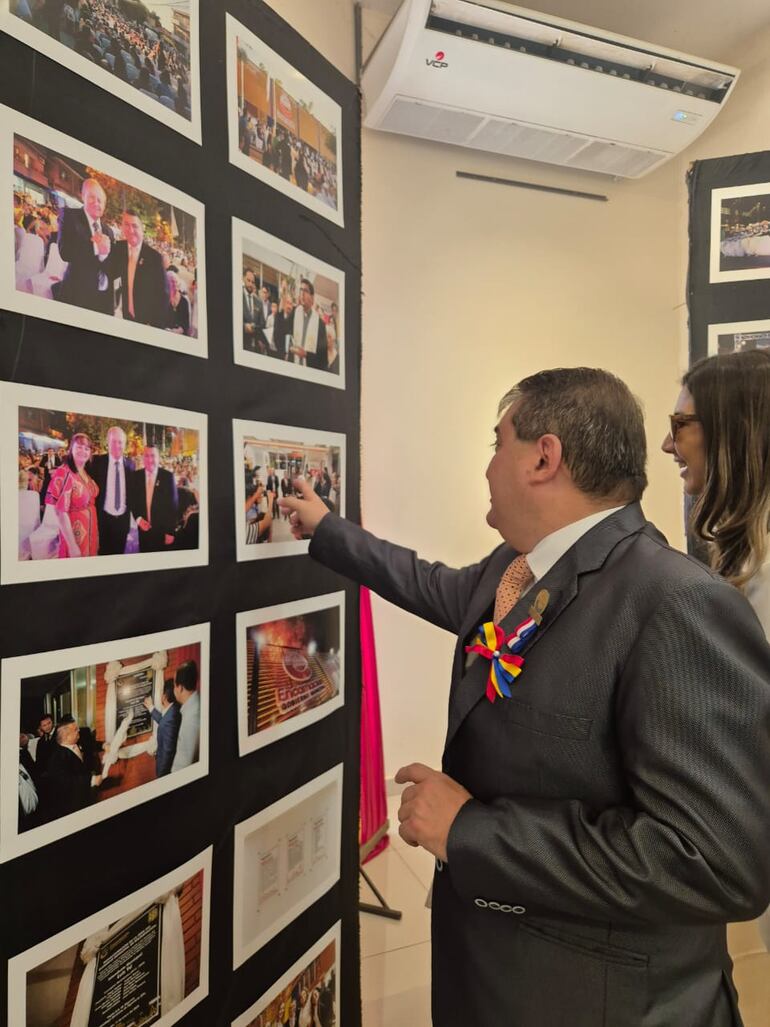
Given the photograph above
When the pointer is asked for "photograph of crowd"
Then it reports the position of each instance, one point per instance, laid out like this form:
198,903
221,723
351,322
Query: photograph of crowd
739,337
290,668
95,248
142,961
97,488
283,129
740,233
306,996
286,857
268,459
144,51
101,729
287,309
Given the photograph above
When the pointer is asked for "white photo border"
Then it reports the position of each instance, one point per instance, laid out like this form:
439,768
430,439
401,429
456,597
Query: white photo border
19,966
334,934
14,571
331,778
234,28
253,618
243,232
40,41
15,669
717,195
733,328
277,433
13,123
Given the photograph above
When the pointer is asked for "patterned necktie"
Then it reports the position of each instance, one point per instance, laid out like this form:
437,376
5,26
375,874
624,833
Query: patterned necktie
516,577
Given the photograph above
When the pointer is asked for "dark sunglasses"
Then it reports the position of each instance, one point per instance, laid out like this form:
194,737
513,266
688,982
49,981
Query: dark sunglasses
678,421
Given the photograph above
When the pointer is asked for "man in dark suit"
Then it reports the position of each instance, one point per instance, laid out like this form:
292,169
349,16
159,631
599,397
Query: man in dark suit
71,782
152,498
168,718
273,485
86,243
46,742
253,321
144,289
111,471
596,828
309,330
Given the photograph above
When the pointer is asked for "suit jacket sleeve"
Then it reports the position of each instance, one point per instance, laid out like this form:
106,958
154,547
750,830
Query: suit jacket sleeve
690,842
433,591
166,505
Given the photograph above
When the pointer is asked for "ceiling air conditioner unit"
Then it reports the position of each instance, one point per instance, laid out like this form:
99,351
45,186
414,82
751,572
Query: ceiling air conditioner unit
512,81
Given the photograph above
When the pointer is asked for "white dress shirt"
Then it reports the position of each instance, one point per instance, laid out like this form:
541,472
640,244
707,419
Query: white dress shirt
115,470
552,548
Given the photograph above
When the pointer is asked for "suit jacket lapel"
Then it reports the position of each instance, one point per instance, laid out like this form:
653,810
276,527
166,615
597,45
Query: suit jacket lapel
561,582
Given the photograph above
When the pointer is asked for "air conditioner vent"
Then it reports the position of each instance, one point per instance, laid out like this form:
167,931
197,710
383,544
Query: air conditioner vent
614,159
438,123
517,140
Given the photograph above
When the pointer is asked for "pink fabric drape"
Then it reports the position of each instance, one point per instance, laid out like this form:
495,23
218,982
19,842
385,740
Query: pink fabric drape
374,807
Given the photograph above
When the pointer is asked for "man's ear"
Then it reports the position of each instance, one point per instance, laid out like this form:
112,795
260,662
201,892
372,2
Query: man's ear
549,457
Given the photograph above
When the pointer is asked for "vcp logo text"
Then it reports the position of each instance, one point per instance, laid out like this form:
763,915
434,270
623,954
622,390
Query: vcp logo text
437,61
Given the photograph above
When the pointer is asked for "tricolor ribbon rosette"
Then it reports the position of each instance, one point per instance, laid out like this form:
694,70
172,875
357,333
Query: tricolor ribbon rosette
502,651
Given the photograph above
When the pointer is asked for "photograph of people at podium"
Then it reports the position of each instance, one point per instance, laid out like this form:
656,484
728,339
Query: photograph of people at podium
291,668
94,737
139,962
307,994
283,128
145,53
268,459
287,309
100,245
93,488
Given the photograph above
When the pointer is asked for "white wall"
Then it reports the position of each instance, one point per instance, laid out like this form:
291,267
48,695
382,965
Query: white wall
467,288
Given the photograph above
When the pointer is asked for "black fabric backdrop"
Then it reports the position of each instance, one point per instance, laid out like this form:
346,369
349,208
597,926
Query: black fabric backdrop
718,302
60,884
722,301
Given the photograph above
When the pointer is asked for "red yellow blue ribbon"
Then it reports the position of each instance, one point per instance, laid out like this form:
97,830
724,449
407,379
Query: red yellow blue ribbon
502,652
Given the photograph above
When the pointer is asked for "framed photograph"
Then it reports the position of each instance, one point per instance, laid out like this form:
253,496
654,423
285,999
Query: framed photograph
145,53
268,457
738,336
288,309
101,728
740,233
310,988
283,129
286,857
96,243
143,960
291,668
92,485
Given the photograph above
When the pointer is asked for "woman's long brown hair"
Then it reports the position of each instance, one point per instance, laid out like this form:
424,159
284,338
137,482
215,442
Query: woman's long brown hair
732,400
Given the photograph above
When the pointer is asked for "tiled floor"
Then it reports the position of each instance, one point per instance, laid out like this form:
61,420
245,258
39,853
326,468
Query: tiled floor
395,955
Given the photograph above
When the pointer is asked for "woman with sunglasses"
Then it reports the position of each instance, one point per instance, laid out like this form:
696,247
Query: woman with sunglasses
720,438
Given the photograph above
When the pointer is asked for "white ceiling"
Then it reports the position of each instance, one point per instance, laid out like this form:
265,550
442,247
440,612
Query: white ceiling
704,28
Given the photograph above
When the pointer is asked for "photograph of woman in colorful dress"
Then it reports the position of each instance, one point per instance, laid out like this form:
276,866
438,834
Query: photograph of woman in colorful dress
72,493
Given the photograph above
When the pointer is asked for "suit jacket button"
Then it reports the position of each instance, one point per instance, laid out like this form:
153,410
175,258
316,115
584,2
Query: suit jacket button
481,903
439,865
518,910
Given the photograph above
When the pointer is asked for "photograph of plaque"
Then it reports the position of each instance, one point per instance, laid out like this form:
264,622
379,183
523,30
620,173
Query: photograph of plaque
291,667
307,993
101,728
142,962
286,857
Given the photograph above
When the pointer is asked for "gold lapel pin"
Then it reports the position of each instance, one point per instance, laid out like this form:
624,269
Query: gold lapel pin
537,609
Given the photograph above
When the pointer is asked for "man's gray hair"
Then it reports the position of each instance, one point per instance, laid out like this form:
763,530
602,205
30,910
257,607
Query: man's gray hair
598,420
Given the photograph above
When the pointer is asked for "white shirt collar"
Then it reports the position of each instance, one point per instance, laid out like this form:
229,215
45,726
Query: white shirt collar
550,549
